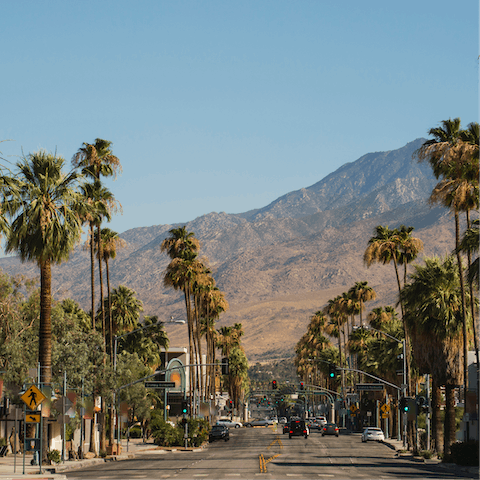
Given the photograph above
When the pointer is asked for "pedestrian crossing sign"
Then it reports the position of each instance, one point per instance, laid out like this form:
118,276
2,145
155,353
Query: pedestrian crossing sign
33,397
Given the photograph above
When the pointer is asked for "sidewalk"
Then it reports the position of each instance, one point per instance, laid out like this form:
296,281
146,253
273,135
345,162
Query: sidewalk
11,468
397,445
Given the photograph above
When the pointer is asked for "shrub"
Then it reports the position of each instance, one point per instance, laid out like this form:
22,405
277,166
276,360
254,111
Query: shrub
135,432
102,454
54,456
464,453
3,441
426,453
164,434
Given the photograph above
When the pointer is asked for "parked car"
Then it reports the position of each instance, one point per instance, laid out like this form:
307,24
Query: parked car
298,428
373,433
286,427
219,432
330,429
229,423
259,422
282,420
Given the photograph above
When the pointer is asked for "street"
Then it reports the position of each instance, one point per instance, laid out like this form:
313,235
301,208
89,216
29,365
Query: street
263,453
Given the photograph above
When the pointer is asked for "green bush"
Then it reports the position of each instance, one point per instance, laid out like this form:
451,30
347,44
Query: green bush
54,456
3,441
198,430
168,436
463,453
135,432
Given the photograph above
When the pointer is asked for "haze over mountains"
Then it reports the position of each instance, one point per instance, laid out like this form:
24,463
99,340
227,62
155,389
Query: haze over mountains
281,263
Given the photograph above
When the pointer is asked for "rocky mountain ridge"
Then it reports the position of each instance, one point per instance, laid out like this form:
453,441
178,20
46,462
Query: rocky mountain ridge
279,264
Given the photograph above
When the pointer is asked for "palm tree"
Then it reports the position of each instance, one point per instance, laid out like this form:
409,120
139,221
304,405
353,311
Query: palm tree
455,161
410,247
335,311
361,292
110,241
381,316
384,247
433,315
42,203
97,160
182,247
125,310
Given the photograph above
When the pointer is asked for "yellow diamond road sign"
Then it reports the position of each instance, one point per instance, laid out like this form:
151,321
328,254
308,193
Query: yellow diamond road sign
33,397
353,408
385,408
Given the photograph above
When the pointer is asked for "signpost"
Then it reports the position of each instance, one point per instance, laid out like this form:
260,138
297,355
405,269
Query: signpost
32,398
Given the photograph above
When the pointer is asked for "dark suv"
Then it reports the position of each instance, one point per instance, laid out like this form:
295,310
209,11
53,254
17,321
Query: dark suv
298,429
219,432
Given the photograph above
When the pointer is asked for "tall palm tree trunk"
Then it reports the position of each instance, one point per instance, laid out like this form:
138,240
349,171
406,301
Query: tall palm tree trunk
186,292
449,418
45,332
464,309
92,275
437,437
110,321
100,276
45,339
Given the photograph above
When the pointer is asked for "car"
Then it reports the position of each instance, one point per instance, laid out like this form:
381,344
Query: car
298,428
330,429
373,433
219,432
282,420
258,422
321,420
286,427
229,423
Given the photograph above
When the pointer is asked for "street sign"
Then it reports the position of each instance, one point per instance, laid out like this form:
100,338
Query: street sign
385,408
353,408
32,417
369,386
33,397
160,384
385,415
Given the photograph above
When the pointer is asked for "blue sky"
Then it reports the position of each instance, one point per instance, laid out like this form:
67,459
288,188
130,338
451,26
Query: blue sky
223,105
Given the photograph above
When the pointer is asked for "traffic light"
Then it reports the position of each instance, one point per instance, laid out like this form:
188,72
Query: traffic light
274,384
404,405
422,404
301,386
184,407
225,366
332,370
230,406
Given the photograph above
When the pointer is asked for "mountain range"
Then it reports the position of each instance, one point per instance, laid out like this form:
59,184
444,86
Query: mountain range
279,264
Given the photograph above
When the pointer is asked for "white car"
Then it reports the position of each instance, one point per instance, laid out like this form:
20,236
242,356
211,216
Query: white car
373,433
226,422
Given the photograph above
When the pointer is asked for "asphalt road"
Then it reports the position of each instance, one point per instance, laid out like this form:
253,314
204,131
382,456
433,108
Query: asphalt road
262,453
